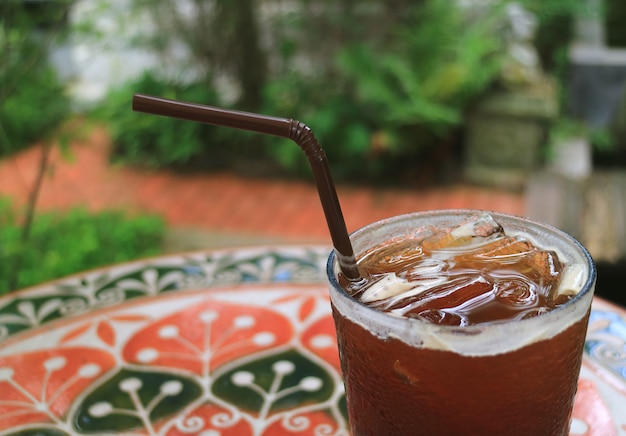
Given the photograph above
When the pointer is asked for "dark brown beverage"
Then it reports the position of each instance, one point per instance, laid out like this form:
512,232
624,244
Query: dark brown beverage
420,391
461,328
470,274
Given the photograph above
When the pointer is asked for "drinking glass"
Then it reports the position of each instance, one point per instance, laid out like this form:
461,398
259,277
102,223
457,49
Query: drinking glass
407,376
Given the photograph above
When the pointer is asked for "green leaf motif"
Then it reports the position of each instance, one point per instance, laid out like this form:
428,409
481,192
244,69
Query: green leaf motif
272,384
22,314
343,408
134,399
148,281
271,268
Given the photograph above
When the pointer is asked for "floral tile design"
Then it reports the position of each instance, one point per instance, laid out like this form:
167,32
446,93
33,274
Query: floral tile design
231,342
107,287
606,339
235,360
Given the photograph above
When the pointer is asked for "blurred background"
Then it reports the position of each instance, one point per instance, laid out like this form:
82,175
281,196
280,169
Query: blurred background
517,107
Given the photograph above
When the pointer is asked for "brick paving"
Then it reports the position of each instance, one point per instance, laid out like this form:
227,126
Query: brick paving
222,203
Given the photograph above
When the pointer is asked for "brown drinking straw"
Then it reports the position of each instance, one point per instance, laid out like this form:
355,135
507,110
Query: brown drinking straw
283,127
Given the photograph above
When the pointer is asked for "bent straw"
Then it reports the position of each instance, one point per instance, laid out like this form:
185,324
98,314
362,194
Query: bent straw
283,127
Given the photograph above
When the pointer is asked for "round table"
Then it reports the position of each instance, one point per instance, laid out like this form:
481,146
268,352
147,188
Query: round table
223,342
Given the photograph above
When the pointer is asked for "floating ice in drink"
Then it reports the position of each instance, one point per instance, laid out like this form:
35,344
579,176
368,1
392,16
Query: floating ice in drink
468,274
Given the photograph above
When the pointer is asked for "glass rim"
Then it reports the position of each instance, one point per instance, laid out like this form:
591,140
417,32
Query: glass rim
404,323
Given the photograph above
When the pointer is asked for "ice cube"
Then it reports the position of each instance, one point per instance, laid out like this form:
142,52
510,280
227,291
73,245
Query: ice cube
479,225
394,257
573,277
474,230
544,268
498,252
390,285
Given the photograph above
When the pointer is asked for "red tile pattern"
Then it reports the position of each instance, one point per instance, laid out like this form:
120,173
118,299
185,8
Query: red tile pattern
221,202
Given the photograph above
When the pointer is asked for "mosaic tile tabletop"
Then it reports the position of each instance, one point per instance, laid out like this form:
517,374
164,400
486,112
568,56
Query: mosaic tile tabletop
227,342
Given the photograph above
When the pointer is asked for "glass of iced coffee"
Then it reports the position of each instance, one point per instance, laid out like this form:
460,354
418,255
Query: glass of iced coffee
463,323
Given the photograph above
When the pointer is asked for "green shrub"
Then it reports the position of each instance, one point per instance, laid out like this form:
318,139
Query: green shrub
614,21
374,104
440,62
383,85
386,104
342,124
156,141
34,110
63,244
33,101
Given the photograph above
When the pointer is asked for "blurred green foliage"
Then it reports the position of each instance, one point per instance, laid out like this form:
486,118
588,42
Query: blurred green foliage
440,60
164,142
381,83
376,99
384,104
64,243
615,19
154,141
385,86
33,100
